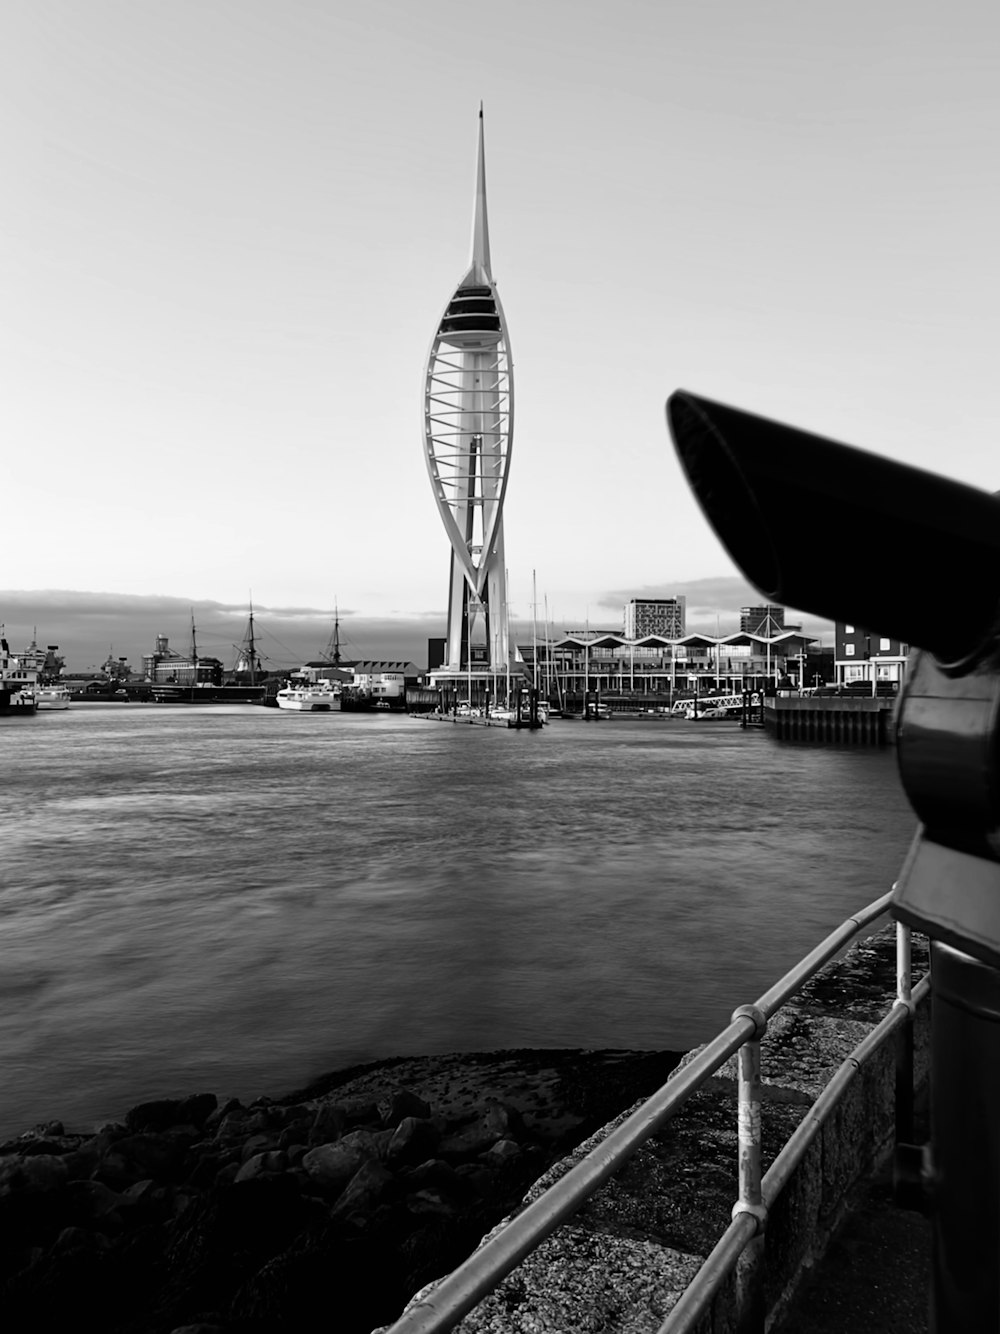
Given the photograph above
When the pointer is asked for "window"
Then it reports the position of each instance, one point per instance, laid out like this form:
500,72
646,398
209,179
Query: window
883,646
849,650
848,629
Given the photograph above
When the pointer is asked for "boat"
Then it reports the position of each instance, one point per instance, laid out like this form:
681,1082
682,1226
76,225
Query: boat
309,696
52,696
18,682
501,714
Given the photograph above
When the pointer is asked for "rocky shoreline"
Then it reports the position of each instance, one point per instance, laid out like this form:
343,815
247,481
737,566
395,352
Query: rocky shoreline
344,1197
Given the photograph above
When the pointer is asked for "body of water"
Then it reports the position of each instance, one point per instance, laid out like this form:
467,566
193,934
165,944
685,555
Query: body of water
235,899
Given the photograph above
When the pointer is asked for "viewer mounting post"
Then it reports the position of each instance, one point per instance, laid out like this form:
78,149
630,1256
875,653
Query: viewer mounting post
749,474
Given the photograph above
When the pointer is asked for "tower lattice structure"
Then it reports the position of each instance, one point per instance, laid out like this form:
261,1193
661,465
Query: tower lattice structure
468,433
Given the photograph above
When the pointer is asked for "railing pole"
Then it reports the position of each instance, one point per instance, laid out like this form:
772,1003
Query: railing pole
750,1266
904,1046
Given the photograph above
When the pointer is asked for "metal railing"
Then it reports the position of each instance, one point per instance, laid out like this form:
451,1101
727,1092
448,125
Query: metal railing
741,1246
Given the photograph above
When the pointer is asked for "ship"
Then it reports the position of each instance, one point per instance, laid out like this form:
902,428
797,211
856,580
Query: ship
18,681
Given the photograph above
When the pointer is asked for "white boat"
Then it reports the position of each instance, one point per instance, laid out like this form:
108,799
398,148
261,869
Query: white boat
502,715
309,696
52,697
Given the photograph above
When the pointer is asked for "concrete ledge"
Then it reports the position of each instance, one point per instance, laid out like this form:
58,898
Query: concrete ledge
622,1262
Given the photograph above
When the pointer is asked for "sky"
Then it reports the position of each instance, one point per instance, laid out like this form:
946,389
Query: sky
230,228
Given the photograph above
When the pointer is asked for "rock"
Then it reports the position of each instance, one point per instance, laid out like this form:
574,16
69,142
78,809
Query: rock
90,1200
331,1166
370,1186
382,1139
503,1151
431,1203
265,1121
81,1161
328,1124
272,1161
204,1170
477,1178
234,1125
413,1140
356,1281
361,1112
435,1172
257,1144
166,1112
400,1103
138,1156
299,1111
227,1175
80,1239
493,1123
222,1240
214,1119
39,1173
296,1134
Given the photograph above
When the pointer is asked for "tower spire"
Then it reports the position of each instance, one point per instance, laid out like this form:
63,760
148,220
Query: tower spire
480,223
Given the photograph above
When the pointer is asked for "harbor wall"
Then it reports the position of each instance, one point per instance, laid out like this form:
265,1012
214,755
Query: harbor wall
860,722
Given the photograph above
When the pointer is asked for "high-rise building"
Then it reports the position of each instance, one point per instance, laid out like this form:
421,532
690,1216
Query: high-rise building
655,616
767,621
468,431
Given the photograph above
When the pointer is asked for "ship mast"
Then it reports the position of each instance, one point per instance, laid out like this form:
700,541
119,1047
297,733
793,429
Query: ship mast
252,647
194,656
333,647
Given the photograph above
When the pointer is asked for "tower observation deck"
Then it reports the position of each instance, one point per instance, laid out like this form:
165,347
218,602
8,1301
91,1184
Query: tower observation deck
468,431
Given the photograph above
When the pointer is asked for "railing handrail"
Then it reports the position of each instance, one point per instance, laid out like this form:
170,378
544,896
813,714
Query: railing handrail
448,1300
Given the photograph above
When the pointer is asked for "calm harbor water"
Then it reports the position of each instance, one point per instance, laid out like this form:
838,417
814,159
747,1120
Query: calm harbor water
237,899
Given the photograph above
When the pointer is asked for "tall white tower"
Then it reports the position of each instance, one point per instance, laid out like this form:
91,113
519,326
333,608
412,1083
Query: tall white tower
468,432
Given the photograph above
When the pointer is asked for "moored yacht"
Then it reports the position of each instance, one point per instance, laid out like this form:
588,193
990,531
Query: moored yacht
309,696
52,697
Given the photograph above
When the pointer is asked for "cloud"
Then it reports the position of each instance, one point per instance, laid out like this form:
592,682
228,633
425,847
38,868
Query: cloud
89,626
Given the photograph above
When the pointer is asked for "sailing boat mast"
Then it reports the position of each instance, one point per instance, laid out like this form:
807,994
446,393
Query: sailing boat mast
548,652
534,631
506,618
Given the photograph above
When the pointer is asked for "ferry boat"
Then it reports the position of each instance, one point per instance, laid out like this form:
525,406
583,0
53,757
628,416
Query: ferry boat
309,696
52,697
18,682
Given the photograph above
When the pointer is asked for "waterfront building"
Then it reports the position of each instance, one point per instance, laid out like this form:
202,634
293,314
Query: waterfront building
658,667
655,616
164,666
385,679
864,657
766,620
468,433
